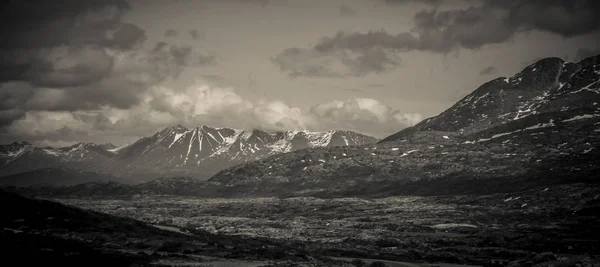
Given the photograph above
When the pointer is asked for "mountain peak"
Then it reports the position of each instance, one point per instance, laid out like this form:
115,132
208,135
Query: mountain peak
20,143
546,86
176,128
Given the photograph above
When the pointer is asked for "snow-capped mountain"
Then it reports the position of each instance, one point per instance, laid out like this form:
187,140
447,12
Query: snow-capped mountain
549,85
205,150
22,156
199,152
538,128
13,151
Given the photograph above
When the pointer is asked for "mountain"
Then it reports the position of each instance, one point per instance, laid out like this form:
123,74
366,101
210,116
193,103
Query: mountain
203,151
20,157
173,151
539,127
549,85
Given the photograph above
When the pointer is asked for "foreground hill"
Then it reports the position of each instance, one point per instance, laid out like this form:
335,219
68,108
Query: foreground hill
37,231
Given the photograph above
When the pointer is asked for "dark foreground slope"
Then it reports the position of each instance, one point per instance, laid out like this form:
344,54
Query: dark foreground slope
38,232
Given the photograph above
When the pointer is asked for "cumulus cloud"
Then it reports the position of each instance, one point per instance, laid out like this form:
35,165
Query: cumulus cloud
79,57
200,104
488,70
195,34
493,22
364,115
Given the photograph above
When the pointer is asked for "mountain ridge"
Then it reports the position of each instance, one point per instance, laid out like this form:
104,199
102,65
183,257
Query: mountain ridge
172,151
536,128
538,88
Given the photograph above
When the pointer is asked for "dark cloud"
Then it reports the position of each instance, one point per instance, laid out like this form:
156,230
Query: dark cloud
493,22
39,23
181,56
489,70
399,2
195,34
85,65
128,36
583,53
346,11
78,56
171,33
566,18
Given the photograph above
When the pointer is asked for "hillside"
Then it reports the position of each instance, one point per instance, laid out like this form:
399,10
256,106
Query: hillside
549,85
536,128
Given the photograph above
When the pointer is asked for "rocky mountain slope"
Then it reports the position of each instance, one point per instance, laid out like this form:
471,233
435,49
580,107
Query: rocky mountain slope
205,150
20,157
199,152
549,85
539,127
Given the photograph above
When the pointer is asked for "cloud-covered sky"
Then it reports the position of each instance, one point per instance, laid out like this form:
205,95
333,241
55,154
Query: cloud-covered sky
117,70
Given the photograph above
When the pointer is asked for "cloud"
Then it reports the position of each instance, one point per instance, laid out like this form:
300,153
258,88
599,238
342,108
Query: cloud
38,23
438,31
583,53
336,62
195,34
364,115
488,70
399,2
346,11
171,33
79,56
196,105
565,18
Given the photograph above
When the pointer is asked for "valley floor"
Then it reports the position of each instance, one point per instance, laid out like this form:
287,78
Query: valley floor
547,226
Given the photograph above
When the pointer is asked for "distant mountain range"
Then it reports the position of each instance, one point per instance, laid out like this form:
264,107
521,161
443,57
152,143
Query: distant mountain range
198,152
538,128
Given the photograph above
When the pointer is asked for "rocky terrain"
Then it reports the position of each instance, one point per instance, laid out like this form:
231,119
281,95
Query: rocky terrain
200,153
553,141
34,232
205,150
551,226
21,157
506,177
539,127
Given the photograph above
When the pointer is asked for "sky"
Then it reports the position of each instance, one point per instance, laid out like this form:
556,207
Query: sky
117,70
